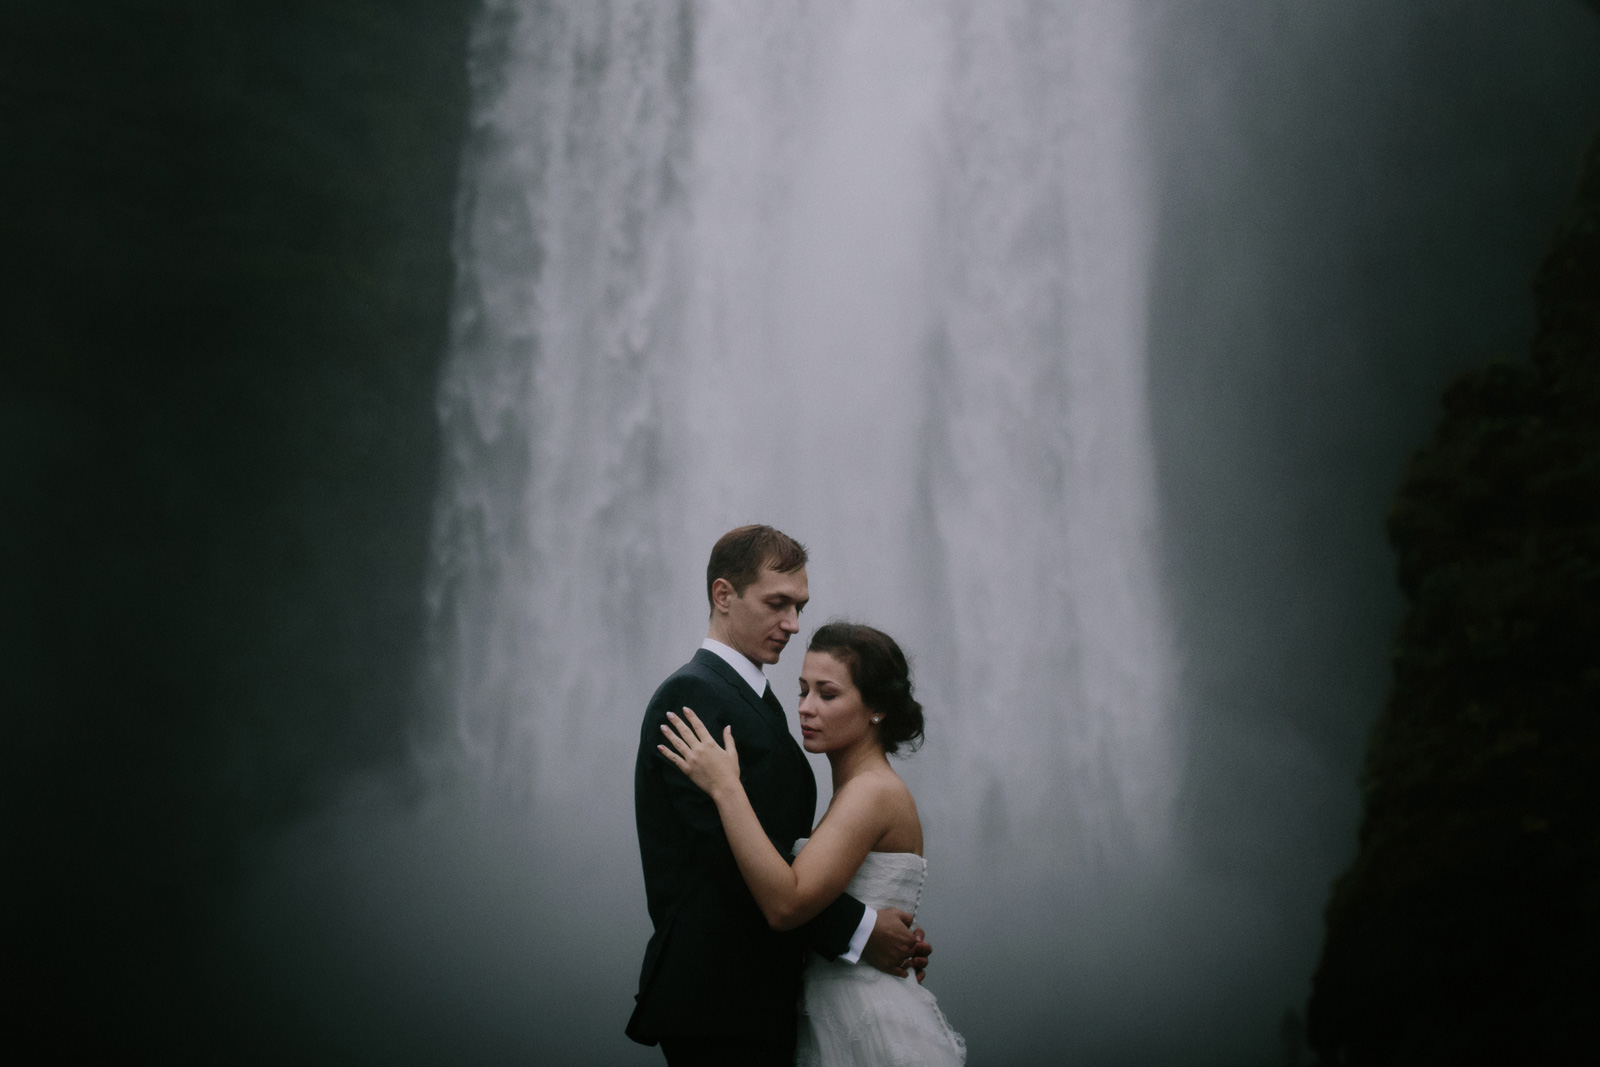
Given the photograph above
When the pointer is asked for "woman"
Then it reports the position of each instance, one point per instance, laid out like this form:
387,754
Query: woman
856,707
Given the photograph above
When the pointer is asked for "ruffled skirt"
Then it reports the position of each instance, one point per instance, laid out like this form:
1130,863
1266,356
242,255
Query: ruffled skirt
852,1015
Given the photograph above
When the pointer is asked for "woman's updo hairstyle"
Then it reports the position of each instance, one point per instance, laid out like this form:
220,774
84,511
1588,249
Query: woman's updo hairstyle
881,675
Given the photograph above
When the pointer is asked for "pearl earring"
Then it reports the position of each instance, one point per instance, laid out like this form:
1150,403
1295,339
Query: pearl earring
877,718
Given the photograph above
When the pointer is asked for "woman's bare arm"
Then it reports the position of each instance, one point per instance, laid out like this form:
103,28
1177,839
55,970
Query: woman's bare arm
788,895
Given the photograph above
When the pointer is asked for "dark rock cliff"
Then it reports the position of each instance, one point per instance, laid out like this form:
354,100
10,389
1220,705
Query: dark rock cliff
1468,929
225,258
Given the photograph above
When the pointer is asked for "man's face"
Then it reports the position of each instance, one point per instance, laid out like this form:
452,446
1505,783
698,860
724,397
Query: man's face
760,623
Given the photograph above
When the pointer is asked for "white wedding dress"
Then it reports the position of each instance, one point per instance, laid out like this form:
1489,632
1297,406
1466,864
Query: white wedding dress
854,1015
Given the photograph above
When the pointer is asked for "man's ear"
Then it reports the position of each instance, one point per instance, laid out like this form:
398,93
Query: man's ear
722,591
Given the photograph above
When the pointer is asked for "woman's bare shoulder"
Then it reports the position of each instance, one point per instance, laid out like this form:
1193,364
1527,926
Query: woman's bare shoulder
876,785
895,810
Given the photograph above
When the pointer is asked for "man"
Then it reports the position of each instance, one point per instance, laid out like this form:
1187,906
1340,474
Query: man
718,985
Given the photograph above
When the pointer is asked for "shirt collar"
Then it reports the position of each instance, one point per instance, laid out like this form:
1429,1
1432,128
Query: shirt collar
737,660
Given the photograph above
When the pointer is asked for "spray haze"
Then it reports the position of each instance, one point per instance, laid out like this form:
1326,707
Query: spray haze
940,290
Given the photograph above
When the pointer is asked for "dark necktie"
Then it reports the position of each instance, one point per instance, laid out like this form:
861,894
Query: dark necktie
770,698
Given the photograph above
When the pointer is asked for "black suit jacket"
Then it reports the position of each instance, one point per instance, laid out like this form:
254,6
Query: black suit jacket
713,965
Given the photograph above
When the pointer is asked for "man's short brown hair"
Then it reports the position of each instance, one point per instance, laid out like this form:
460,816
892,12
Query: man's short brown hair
739,555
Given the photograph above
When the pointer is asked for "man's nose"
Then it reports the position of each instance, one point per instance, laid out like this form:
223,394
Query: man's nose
790,621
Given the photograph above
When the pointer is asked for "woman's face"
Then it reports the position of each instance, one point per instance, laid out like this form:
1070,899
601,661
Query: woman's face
832,715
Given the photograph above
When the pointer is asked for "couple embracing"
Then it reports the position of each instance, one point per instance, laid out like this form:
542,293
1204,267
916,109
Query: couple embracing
771,948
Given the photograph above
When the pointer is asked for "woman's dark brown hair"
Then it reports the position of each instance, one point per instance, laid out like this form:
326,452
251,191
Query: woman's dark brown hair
881,675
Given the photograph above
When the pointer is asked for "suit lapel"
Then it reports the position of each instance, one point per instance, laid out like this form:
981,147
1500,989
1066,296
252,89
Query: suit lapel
775,718
787,772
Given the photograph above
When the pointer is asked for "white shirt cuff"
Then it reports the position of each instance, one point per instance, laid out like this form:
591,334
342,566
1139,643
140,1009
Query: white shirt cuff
869,919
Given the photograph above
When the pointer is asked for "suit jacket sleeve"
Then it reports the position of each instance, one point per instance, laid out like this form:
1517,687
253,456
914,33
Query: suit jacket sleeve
830,932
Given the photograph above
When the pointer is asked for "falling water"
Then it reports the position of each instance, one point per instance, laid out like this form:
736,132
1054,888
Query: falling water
870,272
873,273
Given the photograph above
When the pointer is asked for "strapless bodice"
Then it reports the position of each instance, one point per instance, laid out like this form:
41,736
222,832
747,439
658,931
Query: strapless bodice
886,879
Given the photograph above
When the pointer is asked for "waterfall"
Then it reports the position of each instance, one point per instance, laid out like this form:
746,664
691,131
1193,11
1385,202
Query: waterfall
870,272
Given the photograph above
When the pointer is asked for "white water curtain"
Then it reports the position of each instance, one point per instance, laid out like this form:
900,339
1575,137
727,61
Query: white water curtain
872,272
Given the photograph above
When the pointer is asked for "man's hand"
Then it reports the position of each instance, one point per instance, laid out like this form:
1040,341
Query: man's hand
894,946
919,954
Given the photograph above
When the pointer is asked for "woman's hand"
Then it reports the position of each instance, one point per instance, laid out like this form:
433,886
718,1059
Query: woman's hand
711,767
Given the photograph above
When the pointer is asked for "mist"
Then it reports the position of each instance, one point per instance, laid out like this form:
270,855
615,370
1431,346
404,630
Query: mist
1083,345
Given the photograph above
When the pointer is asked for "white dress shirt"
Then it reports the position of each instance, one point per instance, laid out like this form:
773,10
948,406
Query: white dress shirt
757,680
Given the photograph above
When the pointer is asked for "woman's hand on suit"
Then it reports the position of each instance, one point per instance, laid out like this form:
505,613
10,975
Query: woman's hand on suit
710,766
